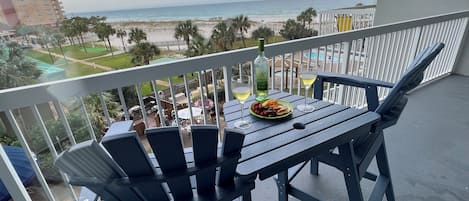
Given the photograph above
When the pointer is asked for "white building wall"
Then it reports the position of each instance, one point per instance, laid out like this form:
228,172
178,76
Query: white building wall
388,11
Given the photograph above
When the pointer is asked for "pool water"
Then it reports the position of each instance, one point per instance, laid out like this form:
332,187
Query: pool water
162,60
49,72
314,56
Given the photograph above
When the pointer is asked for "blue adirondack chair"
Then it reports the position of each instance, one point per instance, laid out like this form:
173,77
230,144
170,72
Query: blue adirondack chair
354,158
120,169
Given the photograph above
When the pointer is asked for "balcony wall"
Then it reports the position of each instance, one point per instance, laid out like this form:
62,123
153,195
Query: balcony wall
399,10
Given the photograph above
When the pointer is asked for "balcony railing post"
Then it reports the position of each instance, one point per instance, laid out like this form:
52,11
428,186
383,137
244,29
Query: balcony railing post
227,74
343,70
105,110
11,179
416,41
138,88
50,144
29,155
463,34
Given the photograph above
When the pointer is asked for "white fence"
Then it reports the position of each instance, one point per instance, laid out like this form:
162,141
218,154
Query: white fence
329,20
380,52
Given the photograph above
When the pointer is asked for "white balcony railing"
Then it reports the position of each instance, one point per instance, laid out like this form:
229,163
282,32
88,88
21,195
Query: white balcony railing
350,19
380,52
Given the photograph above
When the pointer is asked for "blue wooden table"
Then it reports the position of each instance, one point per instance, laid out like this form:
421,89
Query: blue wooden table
273,146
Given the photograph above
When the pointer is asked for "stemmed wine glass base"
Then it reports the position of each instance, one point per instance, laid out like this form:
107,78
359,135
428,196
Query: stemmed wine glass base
305,108
242,124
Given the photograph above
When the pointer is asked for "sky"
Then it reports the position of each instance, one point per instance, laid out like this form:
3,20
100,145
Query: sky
74,6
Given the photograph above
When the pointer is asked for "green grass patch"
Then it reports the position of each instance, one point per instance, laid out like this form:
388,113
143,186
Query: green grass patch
94,49
75,51
40,56
252,42
78,69
71,69
119,61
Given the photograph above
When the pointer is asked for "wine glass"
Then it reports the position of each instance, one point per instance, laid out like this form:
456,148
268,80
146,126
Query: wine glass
307,77
241,88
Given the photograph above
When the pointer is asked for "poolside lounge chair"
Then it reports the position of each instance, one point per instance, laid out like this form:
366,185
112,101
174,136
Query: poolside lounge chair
354,158
123,170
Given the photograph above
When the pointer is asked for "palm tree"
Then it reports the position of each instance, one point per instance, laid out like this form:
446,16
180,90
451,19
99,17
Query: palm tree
143,53
294,30
80,24
103,31
263,32
25,31
222,34
57,40
68,30
44,40
136,35
307,16
186,30
15,71
198,47
121,34
241,24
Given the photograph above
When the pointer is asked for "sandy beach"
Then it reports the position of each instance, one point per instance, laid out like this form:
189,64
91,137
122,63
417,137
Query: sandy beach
163,31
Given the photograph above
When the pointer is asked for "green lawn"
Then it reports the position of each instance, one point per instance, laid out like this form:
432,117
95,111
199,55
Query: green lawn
78,69
71,69
40,56
252,42
76,51
119,61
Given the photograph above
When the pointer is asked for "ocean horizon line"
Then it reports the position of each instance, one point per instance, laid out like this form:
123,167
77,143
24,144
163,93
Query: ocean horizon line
163,6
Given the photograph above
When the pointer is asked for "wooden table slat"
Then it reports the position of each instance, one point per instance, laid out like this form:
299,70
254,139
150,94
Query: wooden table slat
275,129
294,135
302,150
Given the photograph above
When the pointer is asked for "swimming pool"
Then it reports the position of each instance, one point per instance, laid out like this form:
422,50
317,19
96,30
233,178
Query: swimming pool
314,56
49,72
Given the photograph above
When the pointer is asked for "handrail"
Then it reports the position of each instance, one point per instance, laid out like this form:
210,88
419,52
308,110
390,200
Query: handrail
44,92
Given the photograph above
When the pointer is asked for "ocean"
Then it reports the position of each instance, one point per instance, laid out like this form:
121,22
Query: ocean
263,10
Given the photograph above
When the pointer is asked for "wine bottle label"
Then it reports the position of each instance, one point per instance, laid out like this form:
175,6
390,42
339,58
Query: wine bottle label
261,84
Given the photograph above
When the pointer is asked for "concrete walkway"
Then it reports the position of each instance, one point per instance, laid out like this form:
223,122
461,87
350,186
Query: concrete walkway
106,68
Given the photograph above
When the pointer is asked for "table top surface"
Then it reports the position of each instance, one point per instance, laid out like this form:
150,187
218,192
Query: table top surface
272,146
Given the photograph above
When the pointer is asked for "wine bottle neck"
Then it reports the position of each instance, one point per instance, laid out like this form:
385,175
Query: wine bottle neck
261,45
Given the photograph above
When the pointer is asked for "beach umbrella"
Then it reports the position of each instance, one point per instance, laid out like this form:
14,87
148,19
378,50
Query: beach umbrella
22,166
186,114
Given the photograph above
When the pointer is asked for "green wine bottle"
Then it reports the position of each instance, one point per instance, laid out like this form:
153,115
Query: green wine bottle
261,65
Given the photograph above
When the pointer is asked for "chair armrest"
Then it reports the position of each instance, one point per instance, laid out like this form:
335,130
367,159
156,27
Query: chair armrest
352,80
370,86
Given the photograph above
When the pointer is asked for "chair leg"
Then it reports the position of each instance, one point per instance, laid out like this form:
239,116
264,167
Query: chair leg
247,196
352,179
314,169
282,185
383,166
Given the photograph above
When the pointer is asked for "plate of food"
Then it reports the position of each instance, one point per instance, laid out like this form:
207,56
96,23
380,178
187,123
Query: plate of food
271,109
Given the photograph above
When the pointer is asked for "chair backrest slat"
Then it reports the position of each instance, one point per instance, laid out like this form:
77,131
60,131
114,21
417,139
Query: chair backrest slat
205,143
135,163
232,144
89,160
392,106
167,147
